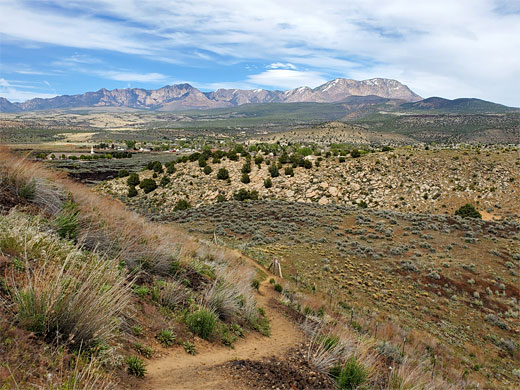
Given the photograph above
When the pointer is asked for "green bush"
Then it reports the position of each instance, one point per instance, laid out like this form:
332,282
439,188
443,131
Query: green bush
289,171
222,174
166,338
268,183
278,287
202,162
207,170
245,178
352,375
243,195
307,164
123,173
132,192
255,284
182,204
136,366
221,198
468,211
259,159
246,168
202,323
165,180
355,153
273,170
148,185
66,221
133,180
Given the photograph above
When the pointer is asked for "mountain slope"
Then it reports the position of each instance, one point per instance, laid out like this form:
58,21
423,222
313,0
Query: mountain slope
465,105
185,96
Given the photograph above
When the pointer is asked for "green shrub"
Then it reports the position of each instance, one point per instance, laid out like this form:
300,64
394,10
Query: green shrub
202,162
273,170
268,183
243,195
207,170
165,180
246,168
255,284
166,338
136,366
307,164
468,211
245,178
259,159
123,173
157,167
202,323
289,171
222,174
352,375
278,287
355,153
66,221
132,192
272,281
182,204
221,198
133,180
148,185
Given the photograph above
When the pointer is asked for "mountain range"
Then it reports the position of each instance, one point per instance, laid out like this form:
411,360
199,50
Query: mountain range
185,97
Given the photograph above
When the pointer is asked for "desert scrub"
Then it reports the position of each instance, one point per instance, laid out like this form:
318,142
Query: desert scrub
136,366
278,287
222,174
67,291
166,338
468,211
133,180
148,185
202,323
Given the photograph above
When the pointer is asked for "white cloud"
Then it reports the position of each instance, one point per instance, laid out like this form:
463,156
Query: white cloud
133,77
281,65
286,78
13,94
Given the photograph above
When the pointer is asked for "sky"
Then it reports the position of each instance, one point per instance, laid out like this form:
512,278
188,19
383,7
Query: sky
448,48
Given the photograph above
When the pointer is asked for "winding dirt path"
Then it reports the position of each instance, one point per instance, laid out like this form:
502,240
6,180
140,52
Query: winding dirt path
179,370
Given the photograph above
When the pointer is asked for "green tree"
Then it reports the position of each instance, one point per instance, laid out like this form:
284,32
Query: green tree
222,174
148,185
468,211
133,179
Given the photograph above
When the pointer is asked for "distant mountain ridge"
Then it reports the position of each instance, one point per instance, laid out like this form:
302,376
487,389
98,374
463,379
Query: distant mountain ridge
184,96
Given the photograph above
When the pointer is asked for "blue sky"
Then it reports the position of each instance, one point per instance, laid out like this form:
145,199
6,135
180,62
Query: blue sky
449,48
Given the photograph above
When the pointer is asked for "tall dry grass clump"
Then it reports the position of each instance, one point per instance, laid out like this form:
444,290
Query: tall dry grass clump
65,291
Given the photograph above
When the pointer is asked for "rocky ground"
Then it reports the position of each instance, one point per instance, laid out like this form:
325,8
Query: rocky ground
433,181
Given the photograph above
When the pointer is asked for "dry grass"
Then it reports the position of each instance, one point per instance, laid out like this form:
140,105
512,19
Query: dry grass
65,291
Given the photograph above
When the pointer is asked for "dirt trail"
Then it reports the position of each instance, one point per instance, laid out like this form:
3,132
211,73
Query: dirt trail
180,370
